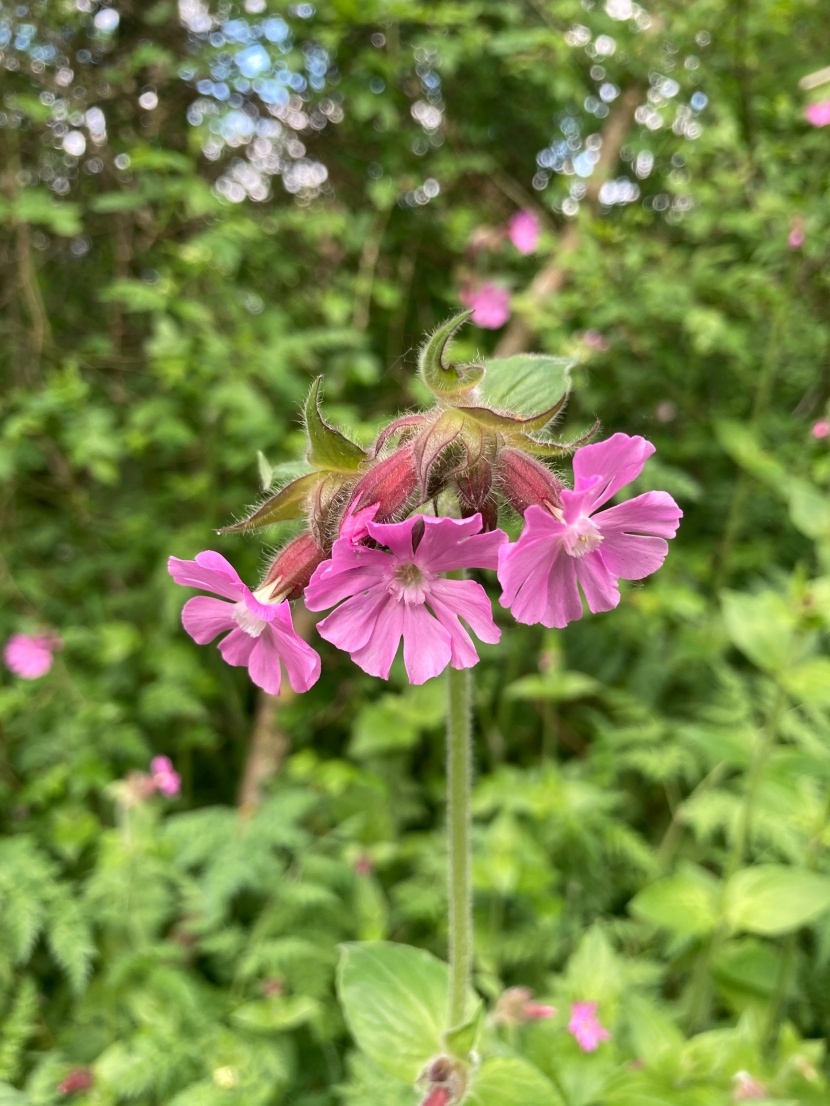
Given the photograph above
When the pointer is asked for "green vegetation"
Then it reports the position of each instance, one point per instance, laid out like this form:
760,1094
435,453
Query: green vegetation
200,215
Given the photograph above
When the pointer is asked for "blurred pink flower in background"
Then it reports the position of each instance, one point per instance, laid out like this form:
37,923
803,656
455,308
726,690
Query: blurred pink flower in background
30,655
821,429
665,411
523,230
490,304
165,777
747,1088
819,114
593,339
796,237
585,1026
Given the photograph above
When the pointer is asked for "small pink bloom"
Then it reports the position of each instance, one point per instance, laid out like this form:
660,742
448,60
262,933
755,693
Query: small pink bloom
585,1026
796,238
523,231
563,549
30,656
594,339
261,637
819,114
747,1088
490,304
165,777
79,1079
400,594
537,1011
438,1096
821,429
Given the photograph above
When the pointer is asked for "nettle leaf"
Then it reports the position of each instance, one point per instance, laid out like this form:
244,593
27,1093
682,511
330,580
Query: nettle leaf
395,1001
684,903
284,505
506,1081
327,448
770,899
530,385
443,379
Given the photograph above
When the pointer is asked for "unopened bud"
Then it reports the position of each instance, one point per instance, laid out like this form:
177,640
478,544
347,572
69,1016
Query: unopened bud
526,481
445,1081
80,1079
291,570
515,1007
383,492
475,493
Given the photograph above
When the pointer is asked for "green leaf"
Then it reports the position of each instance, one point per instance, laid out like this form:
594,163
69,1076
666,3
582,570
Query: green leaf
327,448
809,509
509,1081
770,899
11,1097
762,626
556,685
684,903
528,385
443,379
809,682
284,505
266,471
275,1014
395,1001
461,1040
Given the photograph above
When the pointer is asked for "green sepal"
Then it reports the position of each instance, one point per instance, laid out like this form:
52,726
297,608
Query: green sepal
430,445
542,448
446,380
514,423
327,448
284,505
461,1040
527,385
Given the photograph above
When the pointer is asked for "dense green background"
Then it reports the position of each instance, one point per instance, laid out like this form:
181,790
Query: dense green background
652,811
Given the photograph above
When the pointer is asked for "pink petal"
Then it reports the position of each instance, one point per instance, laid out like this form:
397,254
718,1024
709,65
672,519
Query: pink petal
539,581
426,644
204,617
605,467
468,600
351,569
352,624
161,765
523,231
633,533
376,656
236,648
28,657
302,663
396,536
264,662
210,571
450,543
598,584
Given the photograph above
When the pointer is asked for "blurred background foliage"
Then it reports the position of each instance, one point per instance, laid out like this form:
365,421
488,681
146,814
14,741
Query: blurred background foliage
203,206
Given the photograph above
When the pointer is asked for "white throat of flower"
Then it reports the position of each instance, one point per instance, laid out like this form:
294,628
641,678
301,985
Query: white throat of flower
581,536
409,584
246,620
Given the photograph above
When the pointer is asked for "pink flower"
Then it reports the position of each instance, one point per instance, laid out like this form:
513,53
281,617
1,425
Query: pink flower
819,114
584,1025
165,777
523,231
389,595
820,429
594,339
796,238
490,304
747,1088
79,1079
30,656
566,548
261,634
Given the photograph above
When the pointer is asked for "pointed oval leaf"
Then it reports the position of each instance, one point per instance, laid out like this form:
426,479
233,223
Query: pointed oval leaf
327,448
286,504
771,899
528,385
395,1001
508,1081
443,379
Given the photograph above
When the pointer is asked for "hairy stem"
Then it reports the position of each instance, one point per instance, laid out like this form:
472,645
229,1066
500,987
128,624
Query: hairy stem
458,827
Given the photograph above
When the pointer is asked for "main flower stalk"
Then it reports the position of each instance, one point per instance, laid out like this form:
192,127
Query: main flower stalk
459,778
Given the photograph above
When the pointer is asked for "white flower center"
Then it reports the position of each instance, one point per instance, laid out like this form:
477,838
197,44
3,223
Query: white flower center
409,584
581,537
247,621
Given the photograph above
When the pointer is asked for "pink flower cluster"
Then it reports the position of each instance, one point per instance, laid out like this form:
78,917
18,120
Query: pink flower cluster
490,301
390,586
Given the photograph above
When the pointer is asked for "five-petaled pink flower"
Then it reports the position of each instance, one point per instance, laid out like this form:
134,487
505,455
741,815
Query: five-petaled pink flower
523,231
585,1026
261,634
165,777
819,114
559,552
490,304
30,655
400,593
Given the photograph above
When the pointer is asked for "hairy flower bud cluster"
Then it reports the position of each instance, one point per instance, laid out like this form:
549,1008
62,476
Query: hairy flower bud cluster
382,530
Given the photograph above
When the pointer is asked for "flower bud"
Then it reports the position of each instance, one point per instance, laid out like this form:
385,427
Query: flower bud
382,492
445,1080
475,493
515,1007
79,1079
526,481
291,570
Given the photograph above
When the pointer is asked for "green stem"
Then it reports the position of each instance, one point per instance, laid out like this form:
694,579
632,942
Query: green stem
459,775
